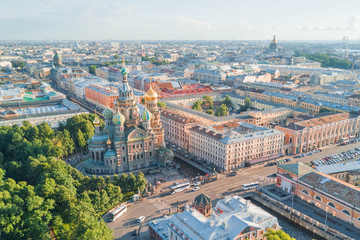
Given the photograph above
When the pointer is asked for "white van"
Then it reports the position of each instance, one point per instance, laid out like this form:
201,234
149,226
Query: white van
140,219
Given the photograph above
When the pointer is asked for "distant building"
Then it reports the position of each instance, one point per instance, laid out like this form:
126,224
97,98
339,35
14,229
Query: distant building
103,96
273,45
52,112
233,218
57,59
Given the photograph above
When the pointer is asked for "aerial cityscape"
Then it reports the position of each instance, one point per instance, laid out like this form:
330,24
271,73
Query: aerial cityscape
202,120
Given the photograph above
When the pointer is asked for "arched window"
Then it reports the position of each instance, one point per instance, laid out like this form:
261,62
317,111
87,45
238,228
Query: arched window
110,161
331,204
290,140
305,191
130,113
318,198
346,212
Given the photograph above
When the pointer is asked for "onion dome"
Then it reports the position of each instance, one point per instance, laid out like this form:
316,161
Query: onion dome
124,71
108,113
151,94
108,142
118,119
96,121
146,115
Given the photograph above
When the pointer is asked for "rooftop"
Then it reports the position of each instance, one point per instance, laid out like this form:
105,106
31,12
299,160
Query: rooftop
299,169
334,187
339,167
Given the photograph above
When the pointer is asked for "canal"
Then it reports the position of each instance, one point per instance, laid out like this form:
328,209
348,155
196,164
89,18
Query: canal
287,226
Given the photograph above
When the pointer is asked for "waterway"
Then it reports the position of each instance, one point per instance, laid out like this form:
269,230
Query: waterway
188,170
294,230
287,226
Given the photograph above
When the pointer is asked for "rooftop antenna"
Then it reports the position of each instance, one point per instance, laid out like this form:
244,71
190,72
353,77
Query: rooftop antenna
346,40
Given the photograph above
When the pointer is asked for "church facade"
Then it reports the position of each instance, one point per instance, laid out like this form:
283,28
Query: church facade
131,139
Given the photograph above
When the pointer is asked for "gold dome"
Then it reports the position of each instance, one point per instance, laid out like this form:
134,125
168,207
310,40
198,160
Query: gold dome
96,121
151,94
108,142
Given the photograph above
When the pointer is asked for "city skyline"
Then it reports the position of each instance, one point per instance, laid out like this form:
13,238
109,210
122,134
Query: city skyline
185,20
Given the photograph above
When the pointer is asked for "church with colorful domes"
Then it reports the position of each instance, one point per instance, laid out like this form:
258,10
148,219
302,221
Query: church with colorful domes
132,139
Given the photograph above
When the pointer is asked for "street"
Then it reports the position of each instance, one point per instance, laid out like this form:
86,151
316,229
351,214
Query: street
156,206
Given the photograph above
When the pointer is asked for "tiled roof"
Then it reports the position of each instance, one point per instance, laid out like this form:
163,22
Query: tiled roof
202,199
298,169
334,187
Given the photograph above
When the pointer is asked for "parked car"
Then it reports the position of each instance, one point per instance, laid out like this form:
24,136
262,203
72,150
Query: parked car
196,189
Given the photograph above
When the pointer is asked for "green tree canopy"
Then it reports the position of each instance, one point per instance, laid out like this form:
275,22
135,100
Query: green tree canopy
223,110
227,101
92,69
197,106
278,235
210,111
161,104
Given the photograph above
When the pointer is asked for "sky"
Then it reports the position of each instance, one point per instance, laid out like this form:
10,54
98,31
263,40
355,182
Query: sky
179,19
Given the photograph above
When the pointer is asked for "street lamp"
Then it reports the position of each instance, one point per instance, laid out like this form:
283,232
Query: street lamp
326,218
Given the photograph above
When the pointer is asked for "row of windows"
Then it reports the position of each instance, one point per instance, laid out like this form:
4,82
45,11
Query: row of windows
318,198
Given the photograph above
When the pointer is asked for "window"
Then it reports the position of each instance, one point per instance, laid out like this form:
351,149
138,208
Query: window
331,204
318,198
305,191
346,212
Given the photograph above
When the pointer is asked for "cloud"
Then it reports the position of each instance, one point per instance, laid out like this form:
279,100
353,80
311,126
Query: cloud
353,23
197,23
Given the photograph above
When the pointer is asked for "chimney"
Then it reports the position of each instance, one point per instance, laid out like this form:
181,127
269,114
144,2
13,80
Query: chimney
248,205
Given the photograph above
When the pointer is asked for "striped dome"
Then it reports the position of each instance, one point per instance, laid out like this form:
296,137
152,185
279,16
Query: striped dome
108,113
146,115
118,119
124,71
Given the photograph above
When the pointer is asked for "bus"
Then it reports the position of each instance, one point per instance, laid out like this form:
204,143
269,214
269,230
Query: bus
249,186
118,212
180,187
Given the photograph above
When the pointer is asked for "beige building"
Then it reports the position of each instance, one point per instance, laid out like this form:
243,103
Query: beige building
229,146
177,127
319,131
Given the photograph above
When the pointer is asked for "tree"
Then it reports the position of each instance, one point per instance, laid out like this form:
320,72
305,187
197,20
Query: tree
197,106
277,235
132,182
210,111
208,101
247,103
92,69
116,56
18,64
222,111
161,104
227,101
140,182
80,139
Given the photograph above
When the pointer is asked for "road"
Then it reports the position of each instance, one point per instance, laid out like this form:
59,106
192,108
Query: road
158,205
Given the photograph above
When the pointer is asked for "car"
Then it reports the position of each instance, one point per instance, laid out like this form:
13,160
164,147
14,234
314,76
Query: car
197,183
196,189
141,219
233,174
